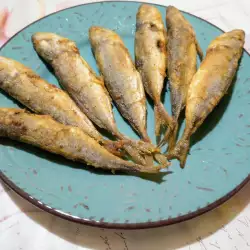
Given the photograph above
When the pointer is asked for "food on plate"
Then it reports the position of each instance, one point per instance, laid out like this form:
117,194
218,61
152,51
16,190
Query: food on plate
38,95
209,85
151,58
182,51
71,142
121,78
85,87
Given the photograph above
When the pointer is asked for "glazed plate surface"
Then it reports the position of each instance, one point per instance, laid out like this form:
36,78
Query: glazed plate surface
218,164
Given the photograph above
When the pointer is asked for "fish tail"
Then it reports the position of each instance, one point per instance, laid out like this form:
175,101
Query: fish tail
114,147
170,135
161,117
149,160
135,155
180,151
162,159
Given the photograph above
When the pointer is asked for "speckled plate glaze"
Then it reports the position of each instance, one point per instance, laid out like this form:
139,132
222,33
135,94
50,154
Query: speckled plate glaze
218,165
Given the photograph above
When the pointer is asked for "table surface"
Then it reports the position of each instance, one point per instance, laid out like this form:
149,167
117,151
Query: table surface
24,227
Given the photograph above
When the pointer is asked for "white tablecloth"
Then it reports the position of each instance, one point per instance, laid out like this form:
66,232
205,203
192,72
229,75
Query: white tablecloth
24,227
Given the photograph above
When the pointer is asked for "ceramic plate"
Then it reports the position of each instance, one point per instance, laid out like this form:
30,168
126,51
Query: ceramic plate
218,164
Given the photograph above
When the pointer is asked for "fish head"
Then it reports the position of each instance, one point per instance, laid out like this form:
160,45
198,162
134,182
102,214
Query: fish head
149,15
99,35
49,45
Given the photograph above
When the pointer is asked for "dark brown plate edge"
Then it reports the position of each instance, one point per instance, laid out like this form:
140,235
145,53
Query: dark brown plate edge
143,225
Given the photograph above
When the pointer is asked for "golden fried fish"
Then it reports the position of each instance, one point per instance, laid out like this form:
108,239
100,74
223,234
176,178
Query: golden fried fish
182,51
151,58
209,85
121,78
38,95
71,142
86,89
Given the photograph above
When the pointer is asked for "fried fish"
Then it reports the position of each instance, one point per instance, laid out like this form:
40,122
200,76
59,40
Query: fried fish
182,51
151,58
209,85
71,142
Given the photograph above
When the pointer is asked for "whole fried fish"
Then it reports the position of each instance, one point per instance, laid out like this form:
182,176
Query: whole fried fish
182,51
38,95
87,90
209,85
121,78
151,58
71,142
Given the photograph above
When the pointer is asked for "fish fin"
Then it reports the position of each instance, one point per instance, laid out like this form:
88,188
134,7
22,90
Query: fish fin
161,117
161,159
199,50
158,121
149,160
135,155
142,146
172,138
170,135
180,152
114,147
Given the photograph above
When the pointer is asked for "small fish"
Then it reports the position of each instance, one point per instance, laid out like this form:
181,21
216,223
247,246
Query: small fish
71,142
151,58
121,78
38,95
85,87
182,51
209,85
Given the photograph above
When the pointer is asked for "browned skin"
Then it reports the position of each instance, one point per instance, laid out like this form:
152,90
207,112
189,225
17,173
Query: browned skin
209,85
85,88
121,78
182,52
71,142
38,95
151,58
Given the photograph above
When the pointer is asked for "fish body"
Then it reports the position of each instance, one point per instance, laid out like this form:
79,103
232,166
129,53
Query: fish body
182,51
121,78
151,58
77,78
71,142
209,85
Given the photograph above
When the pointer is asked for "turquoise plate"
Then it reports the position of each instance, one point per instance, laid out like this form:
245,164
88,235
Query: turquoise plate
218,164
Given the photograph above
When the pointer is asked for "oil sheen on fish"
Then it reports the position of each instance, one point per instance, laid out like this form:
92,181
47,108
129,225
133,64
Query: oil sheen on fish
182,51
121,78
71,142
38,95
86,89
209,85
151,58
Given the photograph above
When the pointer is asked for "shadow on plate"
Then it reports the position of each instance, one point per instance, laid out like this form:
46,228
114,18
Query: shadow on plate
167,238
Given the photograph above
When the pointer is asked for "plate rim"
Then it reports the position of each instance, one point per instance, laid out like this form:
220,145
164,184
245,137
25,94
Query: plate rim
111,225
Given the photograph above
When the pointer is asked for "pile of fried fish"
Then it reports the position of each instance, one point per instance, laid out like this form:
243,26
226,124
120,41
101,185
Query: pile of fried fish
65,121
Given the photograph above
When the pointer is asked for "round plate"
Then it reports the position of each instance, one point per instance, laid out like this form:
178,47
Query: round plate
218,164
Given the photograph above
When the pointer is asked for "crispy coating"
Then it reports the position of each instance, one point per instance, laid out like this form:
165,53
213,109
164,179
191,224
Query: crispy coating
209,85
182,52
151,58
121,78
38,95
77,78
84,86
71,142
